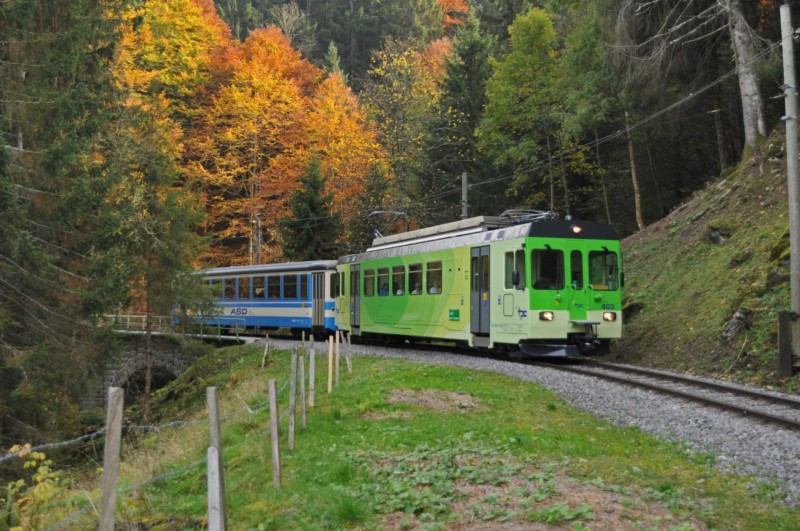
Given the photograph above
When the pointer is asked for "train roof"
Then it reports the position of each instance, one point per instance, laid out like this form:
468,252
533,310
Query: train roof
287,267
482,230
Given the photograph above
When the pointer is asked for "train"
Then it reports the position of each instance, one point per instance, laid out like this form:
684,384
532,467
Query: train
521,282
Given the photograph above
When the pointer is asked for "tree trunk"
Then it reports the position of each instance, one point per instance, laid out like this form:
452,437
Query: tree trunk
636,195
744,52
602,178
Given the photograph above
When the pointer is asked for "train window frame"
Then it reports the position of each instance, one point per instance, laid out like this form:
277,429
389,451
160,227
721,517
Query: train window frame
243,289
259,287
273,290
383,281
433,277
398,280
519,267
304,287
538,280
415,279
369,283
229,289
609,280
290,287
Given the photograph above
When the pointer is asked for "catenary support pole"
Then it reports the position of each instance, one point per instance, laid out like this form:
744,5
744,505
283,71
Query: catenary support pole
790,93
464,203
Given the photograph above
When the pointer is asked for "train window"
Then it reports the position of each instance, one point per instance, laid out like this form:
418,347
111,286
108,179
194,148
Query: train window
244,288
576,269
485,273
303,286
258,287
274,287
334,285
230,289
509,276
603,270
342,284
216,288
369,282
433,279
415,278
547,269
383,281
398,280
290,286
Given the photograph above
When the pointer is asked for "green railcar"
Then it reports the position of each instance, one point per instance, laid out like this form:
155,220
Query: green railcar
547,287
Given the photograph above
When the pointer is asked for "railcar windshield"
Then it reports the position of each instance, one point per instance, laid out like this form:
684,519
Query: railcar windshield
547,269
604,270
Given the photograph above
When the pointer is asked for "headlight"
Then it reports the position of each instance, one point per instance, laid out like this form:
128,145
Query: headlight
609,316
546,316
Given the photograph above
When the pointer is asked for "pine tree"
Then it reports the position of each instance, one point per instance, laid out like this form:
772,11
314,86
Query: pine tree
312,230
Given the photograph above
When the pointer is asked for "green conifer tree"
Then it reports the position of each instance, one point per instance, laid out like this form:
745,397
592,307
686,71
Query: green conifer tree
311,232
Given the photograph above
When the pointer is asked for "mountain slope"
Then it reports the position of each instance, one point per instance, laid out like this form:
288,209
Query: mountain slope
725,250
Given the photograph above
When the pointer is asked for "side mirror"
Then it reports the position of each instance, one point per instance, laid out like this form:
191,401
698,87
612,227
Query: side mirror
515,279
622,279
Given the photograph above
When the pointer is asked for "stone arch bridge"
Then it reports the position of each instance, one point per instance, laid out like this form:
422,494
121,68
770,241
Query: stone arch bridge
170,359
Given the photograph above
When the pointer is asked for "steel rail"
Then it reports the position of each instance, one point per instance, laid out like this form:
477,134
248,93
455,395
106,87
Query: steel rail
726,406
749,393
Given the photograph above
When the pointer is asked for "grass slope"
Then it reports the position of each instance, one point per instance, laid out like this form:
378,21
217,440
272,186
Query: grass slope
725,250
400,445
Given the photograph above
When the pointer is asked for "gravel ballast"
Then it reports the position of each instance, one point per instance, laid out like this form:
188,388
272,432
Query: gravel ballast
740,445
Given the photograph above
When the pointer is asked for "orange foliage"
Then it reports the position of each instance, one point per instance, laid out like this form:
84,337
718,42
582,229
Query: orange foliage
338,132
258,134
454,12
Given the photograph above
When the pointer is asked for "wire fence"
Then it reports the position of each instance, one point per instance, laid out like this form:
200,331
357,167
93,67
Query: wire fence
251,409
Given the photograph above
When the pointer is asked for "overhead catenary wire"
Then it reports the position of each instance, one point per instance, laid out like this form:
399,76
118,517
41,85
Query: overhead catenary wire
544,164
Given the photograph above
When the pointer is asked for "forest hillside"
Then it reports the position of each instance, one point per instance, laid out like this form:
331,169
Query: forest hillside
724,252
144,140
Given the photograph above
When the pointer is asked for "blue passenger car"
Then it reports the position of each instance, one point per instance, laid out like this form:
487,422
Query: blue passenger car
295,295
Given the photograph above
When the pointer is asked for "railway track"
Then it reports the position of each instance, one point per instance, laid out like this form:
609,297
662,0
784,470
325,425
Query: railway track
773,409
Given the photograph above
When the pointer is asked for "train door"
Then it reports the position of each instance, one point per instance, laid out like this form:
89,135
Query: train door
577,292
355,297
479,303
318,300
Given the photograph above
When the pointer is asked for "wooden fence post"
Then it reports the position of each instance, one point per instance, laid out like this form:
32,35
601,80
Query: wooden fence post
347,353
337,358
111,458
312,384
292,398
266,351
274,433
215,437
302,377
330,364
216,521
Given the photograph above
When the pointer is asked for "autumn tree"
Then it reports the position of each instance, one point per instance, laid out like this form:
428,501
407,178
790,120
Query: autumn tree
169,50
402,96
259,133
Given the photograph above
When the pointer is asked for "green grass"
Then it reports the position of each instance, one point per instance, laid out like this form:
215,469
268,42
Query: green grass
689,287
517,454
